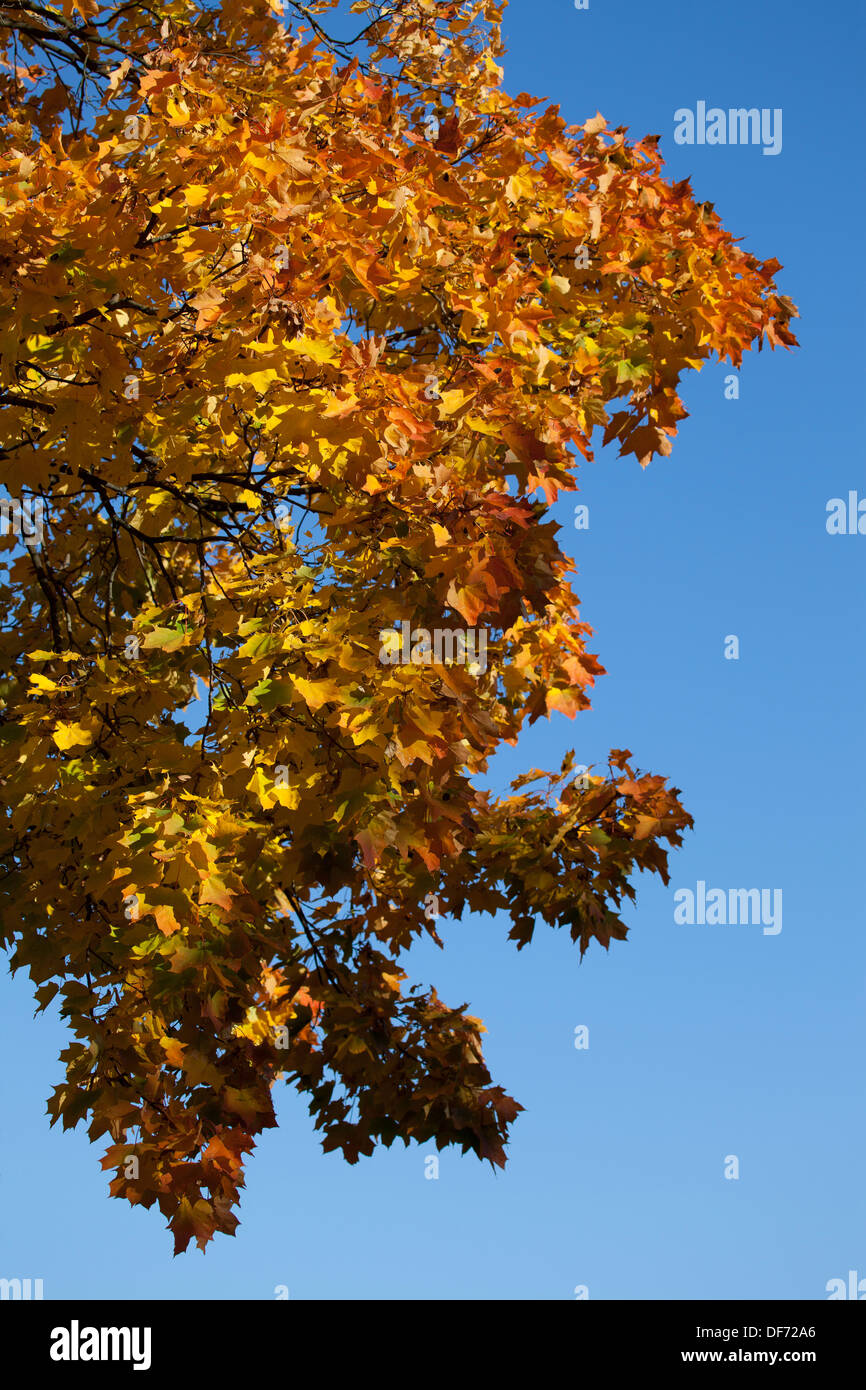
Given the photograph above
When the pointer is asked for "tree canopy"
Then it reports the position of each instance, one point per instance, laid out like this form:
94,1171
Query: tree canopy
301,338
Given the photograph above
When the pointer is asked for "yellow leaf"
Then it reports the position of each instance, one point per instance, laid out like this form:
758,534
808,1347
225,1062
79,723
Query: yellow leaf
289,797
451,401
271,167
482,426
260,381
519,186
258,785
319,349
214,891
72,735
195,194
317,693
178,111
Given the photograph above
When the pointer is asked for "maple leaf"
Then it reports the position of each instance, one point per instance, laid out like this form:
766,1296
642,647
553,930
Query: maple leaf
72,736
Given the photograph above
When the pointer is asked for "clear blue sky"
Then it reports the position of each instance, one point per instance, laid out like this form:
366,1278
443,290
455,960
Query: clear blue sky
705,1041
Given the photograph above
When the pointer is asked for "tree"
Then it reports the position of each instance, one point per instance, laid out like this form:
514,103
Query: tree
298,335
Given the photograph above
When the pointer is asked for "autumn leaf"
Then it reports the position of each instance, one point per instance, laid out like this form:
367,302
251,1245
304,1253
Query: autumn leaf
72,736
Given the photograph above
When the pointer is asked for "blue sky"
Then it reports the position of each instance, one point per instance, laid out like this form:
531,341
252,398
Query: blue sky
704,1041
